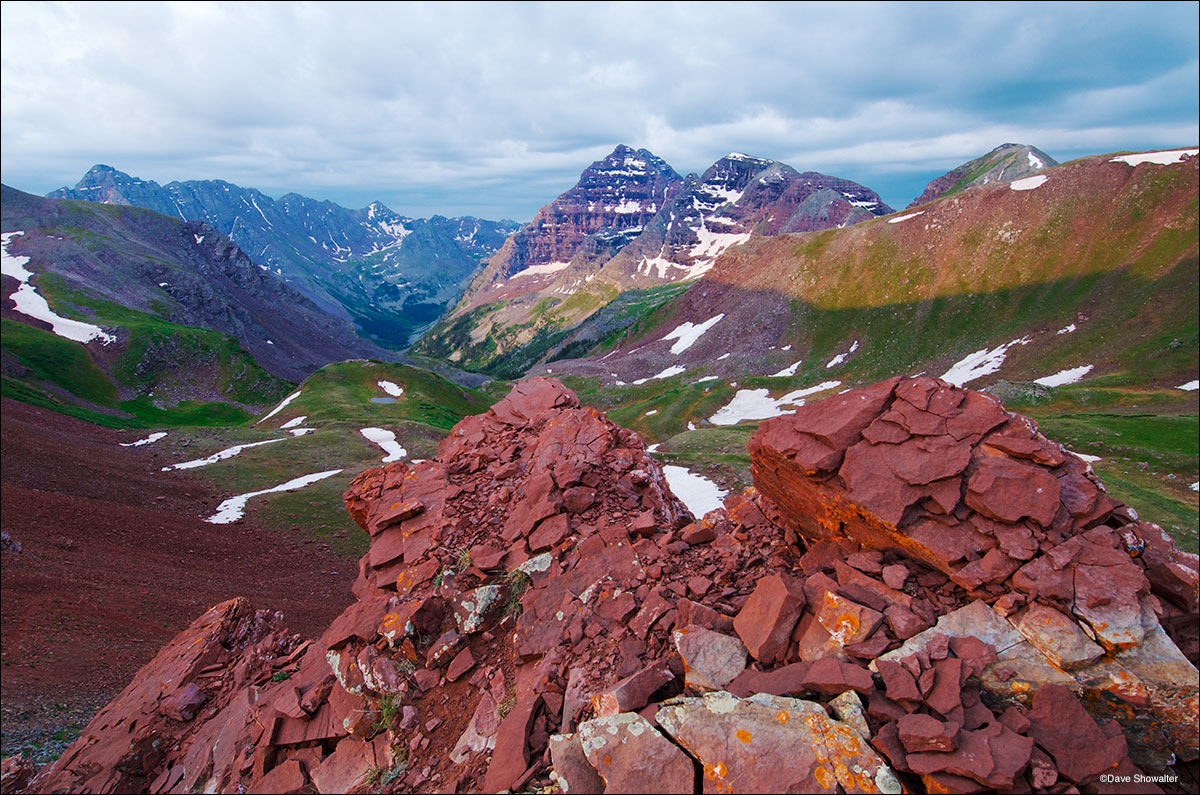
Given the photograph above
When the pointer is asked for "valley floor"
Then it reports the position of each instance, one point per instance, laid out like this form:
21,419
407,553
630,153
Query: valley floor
115,560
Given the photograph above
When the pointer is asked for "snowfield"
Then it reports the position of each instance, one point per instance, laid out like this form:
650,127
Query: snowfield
228,452
1158,158
674,369
686,334
980,363
235,507
788,371
905,217
282,405
154,437
1029,183
757,404
393,389
1062,377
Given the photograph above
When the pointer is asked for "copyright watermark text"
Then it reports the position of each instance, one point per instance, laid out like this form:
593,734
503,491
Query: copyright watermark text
1138,778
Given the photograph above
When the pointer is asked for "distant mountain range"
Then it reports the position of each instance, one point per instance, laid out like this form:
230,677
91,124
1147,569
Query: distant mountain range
183,314
1088,269
389,274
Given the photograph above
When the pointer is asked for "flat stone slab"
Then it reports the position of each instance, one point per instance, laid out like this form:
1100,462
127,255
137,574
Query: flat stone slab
809,751
632,756
711,660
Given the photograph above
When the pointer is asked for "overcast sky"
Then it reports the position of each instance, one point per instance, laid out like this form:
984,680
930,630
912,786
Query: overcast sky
493,109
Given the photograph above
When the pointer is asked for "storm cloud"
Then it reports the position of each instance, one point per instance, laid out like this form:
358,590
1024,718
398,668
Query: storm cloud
492,109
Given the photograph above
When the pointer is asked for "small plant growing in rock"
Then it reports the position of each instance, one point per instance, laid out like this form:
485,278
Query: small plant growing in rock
518,583
506,706
463,559
389,708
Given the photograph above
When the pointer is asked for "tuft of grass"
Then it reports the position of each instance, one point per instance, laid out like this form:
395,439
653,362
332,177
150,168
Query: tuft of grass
462,560
518,583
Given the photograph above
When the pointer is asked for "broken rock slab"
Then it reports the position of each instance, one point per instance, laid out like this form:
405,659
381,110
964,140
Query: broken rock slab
1151,689
630,755
711,660
765,622
808,750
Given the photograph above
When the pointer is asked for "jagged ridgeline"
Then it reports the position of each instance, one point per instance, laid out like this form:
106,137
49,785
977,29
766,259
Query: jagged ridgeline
390,275
631,222
178,324
922,594
1092,264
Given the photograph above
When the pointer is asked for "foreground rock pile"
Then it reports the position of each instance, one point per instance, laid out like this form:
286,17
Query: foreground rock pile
921,594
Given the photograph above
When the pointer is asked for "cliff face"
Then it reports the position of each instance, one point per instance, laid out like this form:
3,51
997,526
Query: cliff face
922,593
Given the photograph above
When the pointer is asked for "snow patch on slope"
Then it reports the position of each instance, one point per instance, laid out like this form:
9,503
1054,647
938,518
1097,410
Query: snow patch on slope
282,405
687,333
154,437
28,302
1029,183
234,508
220,455
980,363
1158,158
788,371
667,373
1062,377
757,404
387,440
699,494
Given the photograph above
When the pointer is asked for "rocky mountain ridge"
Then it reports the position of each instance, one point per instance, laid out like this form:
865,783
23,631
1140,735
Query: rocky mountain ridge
1027,277
537,608
630,222
387,273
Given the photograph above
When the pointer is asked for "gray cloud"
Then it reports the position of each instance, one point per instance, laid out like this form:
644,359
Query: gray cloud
493,109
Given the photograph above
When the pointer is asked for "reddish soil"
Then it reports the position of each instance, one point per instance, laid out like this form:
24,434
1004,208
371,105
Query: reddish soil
115,561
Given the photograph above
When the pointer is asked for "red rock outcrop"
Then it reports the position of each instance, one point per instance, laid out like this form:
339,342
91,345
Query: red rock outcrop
536,607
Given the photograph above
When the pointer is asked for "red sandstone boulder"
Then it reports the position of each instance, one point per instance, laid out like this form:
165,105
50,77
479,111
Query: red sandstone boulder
765,622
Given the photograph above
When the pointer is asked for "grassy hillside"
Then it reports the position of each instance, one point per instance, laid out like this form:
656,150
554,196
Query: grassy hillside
336,402
156,373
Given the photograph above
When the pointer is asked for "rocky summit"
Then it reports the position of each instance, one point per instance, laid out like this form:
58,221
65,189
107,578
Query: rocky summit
921,593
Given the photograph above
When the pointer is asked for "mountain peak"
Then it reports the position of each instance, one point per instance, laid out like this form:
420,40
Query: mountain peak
101,174
1008,162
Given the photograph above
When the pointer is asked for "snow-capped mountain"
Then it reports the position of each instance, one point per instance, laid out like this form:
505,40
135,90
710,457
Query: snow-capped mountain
631,222
736,197
607,209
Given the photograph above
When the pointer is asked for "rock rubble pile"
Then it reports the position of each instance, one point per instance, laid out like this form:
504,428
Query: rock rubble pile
920,594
